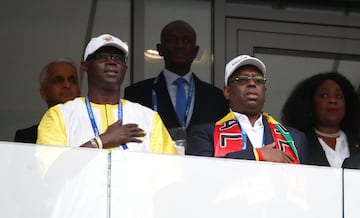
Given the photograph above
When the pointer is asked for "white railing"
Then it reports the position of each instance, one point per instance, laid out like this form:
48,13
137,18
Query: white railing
46,181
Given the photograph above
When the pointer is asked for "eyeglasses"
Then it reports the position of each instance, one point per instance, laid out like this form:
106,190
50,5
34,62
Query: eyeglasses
119,58
242,80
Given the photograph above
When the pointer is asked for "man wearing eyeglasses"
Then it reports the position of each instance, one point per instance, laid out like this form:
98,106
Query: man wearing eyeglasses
101,119
247,132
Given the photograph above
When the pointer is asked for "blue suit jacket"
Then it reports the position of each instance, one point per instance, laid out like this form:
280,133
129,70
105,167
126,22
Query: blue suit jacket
210,104
201,142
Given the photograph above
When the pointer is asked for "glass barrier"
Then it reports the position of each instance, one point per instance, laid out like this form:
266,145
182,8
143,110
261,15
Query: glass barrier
47,181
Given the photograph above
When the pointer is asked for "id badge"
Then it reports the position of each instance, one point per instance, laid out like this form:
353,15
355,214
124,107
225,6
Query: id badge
178,135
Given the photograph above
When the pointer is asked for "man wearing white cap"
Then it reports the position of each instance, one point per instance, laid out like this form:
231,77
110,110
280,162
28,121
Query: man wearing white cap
247,132
101,119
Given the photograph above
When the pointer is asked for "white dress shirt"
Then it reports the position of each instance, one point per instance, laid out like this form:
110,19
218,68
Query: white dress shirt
255,134
337,156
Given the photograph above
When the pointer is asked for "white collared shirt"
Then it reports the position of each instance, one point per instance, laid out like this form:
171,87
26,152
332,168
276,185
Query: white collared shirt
337,156
170,77
254,133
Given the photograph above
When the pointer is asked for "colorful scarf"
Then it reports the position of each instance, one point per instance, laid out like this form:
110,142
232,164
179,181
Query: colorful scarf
228,137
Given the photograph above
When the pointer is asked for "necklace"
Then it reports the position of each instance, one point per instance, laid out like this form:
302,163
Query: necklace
329,135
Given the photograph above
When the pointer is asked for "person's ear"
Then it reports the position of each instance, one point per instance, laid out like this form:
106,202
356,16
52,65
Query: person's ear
43,94
226,91
159,49
84,65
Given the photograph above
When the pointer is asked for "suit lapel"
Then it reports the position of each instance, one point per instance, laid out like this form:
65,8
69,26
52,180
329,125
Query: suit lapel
198,106
165,107
316,151
354,143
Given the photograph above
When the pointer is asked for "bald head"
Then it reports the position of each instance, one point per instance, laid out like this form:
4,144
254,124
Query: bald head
178,46
177,24
59,82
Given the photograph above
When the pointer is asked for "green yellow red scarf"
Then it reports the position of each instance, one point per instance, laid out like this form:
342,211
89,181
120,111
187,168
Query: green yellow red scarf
228,137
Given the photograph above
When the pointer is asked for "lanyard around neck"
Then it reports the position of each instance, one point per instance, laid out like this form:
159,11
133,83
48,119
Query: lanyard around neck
188,99
244,137
92,118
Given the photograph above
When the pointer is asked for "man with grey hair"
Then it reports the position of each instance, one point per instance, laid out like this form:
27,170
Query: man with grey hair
59,83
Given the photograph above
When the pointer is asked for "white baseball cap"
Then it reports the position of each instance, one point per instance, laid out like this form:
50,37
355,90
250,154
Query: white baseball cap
104,40
243,60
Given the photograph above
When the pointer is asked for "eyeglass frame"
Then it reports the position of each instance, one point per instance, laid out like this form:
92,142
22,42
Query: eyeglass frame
103,57
243,79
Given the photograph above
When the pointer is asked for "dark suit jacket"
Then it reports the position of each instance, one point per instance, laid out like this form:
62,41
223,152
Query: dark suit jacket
210,104
28,135
201,142
317,155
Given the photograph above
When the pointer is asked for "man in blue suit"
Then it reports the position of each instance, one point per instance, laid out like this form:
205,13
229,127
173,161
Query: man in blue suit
203,102
247,132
